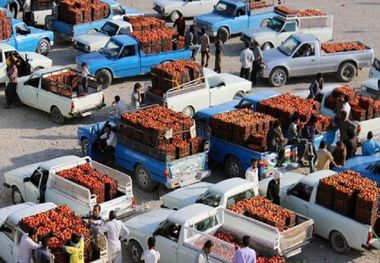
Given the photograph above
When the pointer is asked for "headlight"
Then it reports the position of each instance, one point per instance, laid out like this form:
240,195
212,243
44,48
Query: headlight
87,48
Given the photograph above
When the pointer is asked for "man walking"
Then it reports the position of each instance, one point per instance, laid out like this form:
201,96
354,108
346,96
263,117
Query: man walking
191,42
258,56
252,174
273,190
10,90
205,48
27,12
246,59
218,54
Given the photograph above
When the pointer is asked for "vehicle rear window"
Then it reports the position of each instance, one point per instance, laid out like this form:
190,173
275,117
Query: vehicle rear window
302,191
240,196
210,199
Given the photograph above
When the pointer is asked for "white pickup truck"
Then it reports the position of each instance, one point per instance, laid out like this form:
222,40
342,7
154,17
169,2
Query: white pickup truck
298,193
11,233
27,60
371,85
280,27
212,89
94,40
181,234
39,182
31,92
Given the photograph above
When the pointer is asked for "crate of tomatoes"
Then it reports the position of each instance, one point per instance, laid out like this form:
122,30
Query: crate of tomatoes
343,47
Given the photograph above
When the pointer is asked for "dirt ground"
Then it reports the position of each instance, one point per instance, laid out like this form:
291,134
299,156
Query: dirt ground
30,136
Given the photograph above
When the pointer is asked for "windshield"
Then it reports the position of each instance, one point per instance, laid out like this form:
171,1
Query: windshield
289,46
109,29
210,199
112,49
225,9
276,24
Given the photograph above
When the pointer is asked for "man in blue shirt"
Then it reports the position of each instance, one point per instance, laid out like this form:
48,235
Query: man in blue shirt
370,146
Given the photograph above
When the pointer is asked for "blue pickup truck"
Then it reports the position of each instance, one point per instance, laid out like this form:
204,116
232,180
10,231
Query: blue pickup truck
122,57
232,17
149,166
29,39
236,158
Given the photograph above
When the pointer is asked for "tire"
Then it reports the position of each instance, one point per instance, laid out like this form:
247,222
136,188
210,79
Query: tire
17,196
233,168
143,179
239,95
84,146
188,111
43,47
56,115
347,71
266,46
278,77
174,16
104,78
223,33
135,251
338,243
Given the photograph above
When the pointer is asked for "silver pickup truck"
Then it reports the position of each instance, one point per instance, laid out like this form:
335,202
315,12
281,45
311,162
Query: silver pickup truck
302,55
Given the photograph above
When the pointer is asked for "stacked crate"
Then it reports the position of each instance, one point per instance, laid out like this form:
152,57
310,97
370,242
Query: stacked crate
5,26
82,11
63,83
142,23
41,5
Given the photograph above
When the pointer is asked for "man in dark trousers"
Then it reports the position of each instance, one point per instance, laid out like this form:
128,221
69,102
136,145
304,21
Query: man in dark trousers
180,23
258,56
316,86
218,54
10,90
43,254
273,191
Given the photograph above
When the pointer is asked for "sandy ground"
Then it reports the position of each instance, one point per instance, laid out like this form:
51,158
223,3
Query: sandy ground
30,136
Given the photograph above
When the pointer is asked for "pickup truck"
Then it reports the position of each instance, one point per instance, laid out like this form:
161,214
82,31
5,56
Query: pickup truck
235,158
188,8
11,232
122,57
95,39
45,17
29,39
33,93
280,27
289,60
39,182
370,85
28,60
210,90
231,17
298,193
148,164
181,234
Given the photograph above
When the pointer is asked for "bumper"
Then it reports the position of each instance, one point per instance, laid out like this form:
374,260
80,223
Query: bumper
81,47
86,112
373,244
184,180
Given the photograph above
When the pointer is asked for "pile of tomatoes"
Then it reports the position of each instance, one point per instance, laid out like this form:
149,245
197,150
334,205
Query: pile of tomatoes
342,47
140,23
275,259
257,5
299,12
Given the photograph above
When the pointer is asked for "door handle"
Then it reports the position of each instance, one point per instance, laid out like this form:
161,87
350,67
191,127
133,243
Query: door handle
312,60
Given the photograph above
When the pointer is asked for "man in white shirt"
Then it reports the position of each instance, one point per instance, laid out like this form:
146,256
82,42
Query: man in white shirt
246,59
116,231
120,104
136,98
203,256
252,174
28,243
109,136
27,12
346,106
151,255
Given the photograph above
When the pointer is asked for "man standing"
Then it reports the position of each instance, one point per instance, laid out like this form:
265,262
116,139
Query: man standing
258,56
324,158
344,125
316,86
116,231
191,42
370,147
273,190
252,174
205,48
76,248
84,74
351,144
245,254
28,243
339,154
180,23
136,98
203,256
218,54
10,90
43,254
13,8
246,59
151,255
346,106
27,12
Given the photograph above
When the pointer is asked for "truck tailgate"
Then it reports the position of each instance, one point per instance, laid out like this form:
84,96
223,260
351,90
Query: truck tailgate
88,102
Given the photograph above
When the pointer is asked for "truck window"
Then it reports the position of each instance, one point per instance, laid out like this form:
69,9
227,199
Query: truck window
275,24
112,49
128,51
109,29
169,230
240,196
35,178
240,12
306,50
289,27
22,30
289,46
302,191
215,82
224,9
125,30
210,199
205,224
34,81
8,230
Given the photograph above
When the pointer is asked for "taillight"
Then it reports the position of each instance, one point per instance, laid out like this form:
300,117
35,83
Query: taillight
370,235
166,173
72,106
133,202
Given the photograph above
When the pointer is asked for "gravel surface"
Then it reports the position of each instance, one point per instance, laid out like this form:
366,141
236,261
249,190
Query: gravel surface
30,136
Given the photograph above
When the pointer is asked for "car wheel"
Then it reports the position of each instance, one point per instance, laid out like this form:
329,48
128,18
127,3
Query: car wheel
135,251
43,47
278,77
174,16
84,146
56,115
143,179
223,33
347,71
104,78
339,243
17,196
188,111
266,46
239,95
233,167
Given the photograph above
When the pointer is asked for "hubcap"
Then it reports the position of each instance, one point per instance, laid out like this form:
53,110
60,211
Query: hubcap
278,77
234,169
143,177
135,254
44,47
56,115
339,242
84,147
347,72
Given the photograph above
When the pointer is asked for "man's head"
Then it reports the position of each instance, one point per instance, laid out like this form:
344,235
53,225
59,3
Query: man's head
151,242
296,119
112,215
203,30
96,210
32,233
370,135
45,241
117,98
253,163
180,15
277,176
340,145
75,238
208,246
319,76
137,87
323,145
247,44
246,241
276,124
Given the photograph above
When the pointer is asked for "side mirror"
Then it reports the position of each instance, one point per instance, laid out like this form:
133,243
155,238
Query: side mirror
26,179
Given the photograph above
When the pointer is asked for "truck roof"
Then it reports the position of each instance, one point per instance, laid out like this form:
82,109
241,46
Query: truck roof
313,178
305,37
195,211
125,40
230,185
29,210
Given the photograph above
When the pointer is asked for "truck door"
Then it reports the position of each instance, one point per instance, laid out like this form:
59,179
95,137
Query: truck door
240,20
23,41
167,236
32,191
8,251
304,60
127,63
28,91
218,91
298,199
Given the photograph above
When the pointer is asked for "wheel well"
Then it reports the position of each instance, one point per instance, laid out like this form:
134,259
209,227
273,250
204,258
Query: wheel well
110,71
270,42
227,157
281,67
226,27
349,61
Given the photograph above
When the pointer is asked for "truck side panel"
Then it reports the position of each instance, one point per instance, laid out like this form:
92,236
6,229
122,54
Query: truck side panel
76,30
148,61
